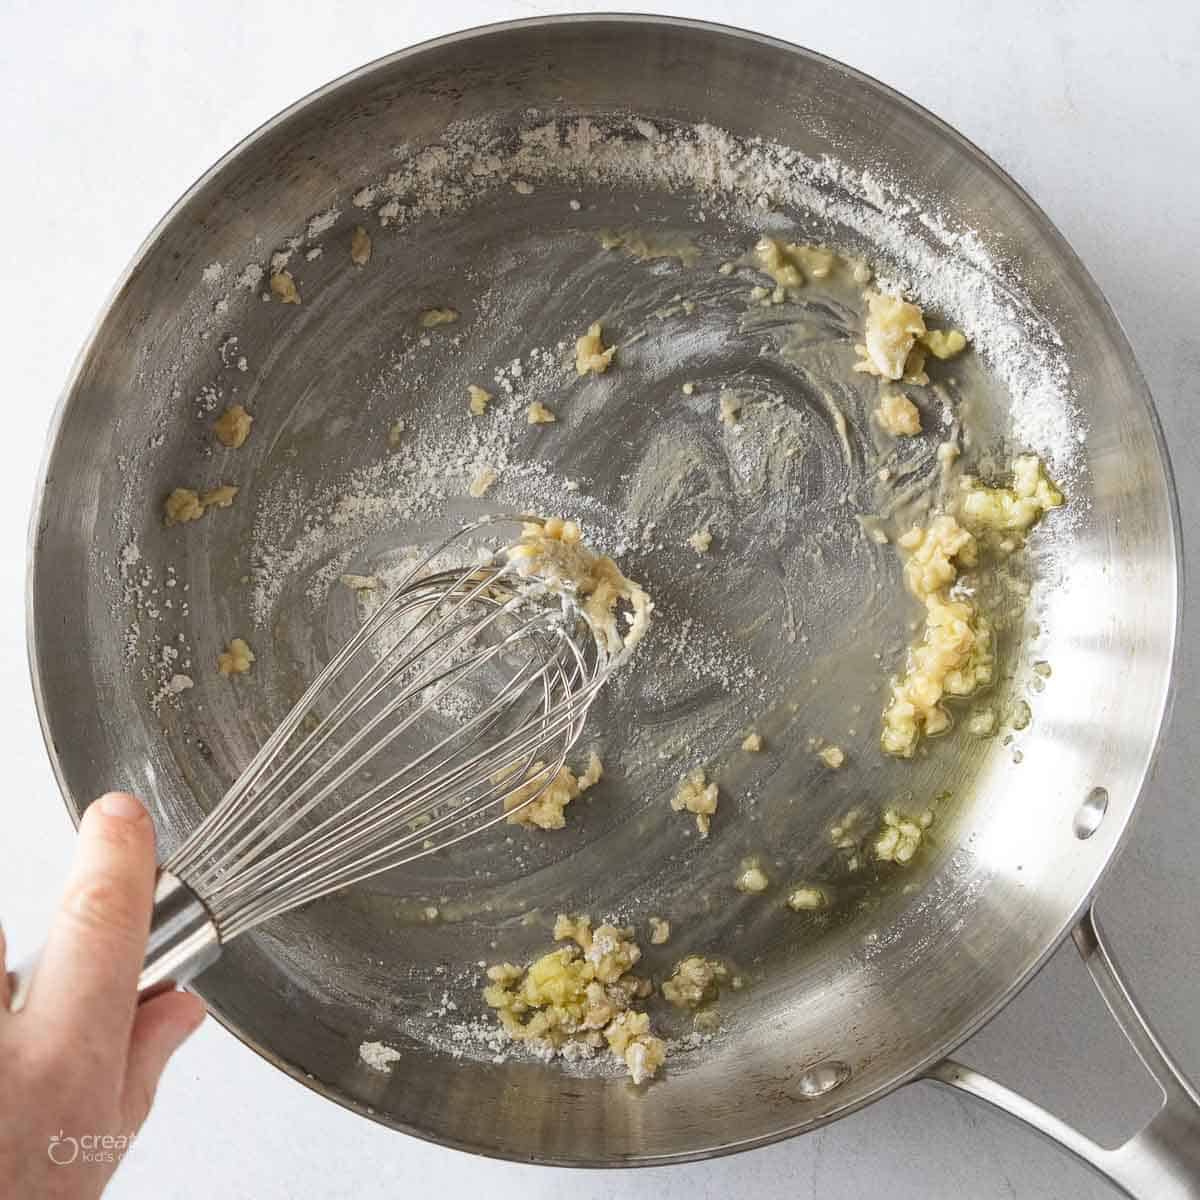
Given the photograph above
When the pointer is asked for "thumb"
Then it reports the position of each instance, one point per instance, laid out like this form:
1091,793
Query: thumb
86,979
161,1026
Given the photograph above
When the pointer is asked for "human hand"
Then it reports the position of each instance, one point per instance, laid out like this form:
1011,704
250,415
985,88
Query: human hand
81,1061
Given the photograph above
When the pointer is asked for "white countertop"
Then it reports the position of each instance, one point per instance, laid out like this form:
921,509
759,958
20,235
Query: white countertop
111,110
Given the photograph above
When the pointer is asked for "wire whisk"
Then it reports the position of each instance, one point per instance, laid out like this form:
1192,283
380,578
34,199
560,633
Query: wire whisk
465,688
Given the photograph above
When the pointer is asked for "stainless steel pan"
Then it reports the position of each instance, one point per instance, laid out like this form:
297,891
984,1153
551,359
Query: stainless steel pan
842,1009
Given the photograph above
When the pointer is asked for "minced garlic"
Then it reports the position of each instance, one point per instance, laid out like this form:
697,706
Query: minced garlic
1011,510
957,653
185,504
695,981
477,400
832,756
955,656
898,415
900,837
590,354
982,722
581,993
554,551
788,263
235,659
221,496
546,812
752,878
430,318
807,899
891,329
752,743
955,659
232,427
592,773
360,246
284,286
897,340
696,795
943,343
629,1038
538,414
730,408
934,555
772,257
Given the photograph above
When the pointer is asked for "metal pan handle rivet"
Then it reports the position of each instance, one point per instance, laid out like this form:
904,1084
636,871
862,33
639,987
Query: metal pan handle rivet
1090,813
822,1078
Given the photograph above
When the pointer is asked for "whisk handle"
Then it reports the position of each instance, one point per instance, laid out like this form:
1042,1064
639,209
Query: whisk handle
183,941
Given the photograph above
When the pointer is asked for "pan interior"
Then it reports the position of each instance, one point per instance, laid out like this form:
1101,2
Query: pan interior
491,174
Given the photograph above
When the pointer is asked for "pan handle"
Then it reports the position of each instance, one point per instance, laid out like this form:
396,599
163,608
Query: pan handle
1159,1162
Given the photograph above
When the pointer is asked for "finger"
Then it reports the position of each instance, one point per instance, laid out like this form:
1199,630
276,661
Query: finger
86,979
5,991
161,1026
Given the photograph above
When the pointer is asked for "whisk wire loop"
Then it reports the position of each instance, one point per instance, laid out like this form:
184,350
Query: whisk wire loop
467,686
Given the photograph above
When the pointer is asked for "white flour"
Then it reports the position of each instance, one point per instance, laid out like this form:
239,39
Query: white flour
302,543
950,270
321,222
919,250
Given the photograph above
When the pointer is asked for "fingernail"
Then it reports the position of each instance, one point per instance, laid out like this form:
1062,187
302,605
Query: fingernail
122,805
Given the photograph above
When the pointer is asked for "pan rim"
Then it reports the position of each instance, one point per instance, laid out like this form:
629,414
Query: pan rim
37,641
